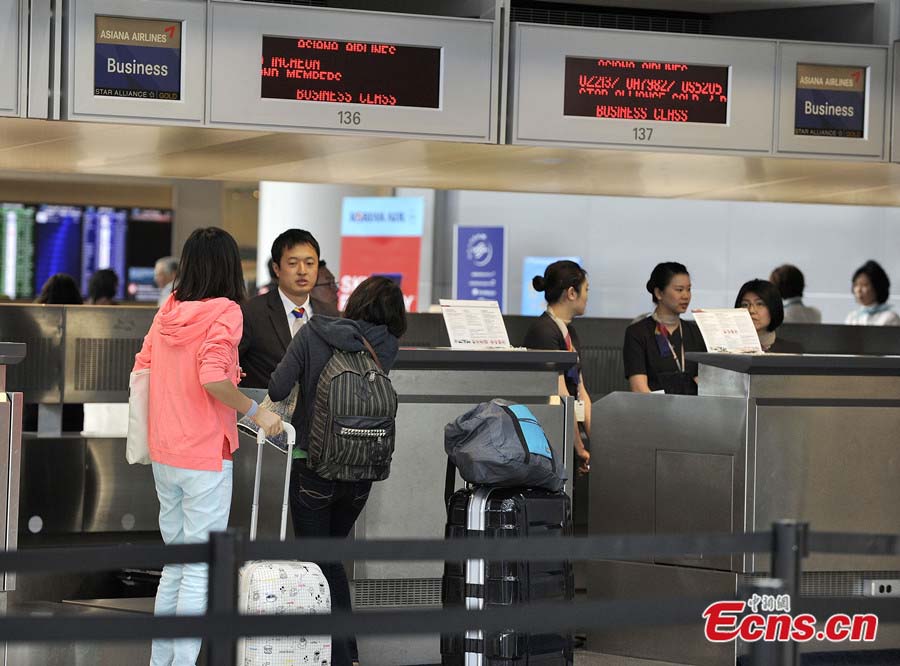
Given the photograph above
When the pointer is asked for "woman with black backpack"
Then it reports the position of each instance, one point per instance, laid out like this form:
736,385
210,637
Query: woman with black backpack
337,457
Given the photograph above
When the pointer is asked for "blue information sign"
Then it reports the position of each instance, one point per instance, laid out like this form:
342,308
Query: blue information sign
481,264
136,57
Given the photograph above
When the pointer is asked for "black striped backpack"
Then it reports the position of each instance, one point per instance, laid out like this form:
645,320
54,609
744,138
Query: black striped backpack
352,433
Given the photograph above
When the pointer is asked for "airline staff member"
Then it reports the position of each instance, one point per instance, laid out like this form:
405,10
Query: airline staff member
565,286
762,299
655,347
872,289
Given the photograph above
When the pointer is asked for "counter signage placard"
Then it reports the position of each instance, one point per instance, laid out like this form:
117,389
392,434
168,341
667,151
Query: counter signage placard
474,324
350,72
480,266
137,58
646,90
830,101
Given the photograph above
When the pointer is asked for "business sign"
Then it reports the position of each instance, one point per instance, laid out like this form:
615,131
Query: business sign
137,58
381,236
830,101
533,302
480,265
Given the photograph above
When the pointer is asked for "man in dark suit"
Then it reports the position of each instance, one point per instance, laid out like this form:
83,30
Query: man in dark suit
272,319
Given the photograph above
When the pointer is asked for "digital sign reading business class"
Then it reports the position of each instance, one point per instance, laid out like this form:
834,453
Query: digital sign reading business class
644,90
342,72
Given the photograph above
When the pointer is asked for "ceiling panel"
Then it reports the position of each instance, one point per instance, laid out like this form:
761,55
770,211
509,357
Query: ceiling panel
55,147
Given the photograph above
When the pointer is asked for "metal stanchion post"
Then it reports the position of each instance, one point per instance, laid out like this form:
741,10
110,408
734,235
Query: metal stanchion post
223,574
789,547
765,653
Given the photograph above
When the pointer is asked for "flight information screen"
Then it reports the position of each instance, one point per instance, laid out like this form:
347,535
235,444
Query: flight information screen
103,245
646,90
149,238
342,72
17,250
57,242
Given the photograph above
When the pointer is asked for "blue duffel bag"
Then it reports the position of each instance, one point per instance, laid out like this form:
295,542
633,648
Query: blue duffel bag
500,443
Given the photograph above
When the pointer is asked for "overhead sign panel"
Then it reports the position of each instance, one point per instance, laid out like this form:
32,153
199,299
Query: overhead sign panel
12,62
136,61
593,87
341,72
313,69
645,90
139,58
830,101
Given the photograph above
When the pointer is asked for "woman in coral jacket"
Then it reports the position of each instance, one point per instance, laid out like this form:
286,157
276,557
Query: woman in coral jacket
192,353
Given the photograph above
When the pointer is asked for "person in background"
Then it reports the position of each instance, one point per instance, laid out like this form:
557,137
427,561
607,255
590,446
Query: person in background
164,273
655,347
191,351
320,507
565,286
790,283
762,300
326,289
872,289
102,287
273,280
60,289
273,319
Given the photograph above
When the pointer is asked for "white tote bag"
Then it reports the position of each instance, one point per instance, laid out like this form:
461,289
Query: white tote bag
137,450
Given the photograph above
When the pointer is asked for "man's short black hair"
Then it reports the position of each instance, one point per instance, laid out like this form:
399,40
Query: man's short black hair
881,283
290,238
789,280
769,294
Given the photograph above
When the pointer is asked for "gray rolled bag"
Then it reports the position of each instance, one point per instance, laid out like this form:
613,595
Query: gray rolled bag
502,444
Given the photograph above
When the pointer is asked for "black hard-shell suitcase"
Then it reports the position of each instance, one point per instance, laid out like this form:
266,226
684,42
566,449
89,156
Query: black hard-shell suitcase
477,584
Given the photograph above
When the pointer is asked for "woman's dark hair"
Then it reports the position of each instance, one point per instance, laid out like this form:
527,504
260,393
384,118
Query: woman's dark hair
104,284
769,294
662,275
210,267
558,277
60,289
378,300
789,281
881,283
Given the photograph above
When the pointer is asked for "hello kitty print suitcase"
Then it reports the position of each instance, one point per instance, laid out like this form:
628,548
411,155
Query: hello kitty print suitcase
281,588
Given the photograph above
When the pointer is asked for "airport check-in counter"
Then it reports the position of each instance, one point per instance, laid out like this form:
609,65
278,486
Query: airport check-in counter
769,437
434,387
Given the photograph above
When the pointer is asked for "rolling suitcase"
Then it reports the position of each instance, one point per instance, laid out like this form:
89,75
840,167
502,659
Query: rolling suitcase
281,588
477,584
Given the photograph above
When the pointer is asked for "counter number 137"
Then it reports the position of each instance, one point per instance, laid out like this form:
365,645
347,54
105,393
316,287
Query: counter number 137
643,133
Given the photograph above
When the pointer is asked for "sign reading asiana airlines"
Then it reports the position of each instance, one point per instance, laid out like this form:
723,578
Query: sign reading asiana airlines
830,101
138,58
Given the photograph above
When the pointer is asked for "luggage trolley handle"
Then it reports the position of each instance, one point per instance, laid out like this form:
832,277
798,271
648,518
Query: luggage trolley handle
254,511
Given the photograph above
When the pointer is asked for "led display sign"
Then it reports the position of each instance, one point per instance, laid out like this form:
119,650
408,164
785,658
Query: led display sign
645,90
343,72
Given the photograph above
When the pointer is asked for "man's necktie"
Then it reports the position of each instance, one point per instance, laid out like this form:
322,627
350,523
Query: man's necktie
299,320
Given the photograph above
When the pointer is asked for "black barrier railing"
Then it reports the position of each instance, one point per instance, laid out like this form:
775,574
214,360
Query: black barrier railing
788,543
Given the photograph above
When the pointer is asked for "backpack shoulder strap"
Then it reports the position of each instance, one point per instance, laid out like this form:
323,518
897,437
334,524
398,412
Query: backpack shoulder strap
372,353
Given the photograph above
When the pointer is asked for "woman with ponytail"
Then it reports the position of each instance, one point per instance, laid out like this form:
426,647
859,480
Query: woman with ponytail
565,286
655,347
